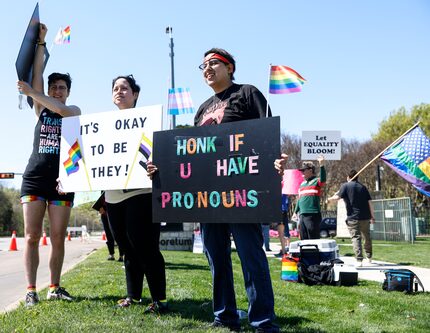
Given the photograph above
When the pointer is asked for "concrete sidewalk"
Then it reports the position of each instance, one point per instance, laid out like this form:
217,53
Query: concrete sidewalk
12,277
373,271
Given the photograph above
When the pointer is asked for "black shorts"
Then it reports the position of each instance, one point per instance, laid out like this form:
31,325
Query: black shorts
44,187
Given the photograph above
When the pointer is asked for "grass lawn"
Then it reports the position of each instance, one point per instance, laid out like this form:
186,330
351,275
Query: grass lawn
416,254
97,284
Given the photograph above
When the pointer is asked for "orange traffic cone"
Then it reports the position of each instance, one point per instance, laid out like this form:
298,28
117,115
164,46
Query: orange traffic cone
69,236
13,246
103,236
44,241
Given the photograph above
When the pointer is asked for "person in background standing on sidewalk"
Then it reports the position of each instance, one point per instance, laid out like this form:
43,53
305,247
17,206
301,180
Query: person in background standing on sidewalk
359,211
100,206
266,235
283,229
39,182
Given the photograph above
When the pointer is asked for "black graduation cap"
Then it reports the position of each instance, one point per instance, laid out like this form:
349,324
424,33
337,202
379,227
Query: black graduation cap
24,62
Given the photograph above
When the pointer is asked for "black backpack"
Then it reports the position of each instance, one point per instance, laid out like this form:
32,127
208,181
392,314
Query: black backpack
317,274
401,280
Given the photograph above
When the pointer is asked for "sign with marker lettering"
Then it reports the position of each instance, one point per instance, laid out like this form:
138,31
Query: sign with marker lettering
218,174
108,150
326,143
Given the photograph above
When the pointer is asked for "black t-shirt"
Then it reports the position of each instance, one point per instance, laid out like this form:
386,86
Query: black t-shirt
237,102
45,157
356,197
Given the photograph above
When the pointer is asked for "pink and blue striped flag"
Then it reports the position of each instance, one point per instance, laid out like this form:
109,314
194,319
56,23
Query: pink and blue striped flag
179,101
285,80
63,36
410,158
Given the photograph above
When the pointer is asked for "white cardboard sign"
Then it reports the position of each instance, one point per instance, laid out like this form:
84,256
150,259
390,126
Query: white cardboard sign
326,143
108,150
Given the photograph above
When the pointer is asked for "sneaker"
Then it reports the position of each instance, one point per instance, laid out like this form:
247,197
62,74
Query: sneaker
157,307
127,302
369,260
268,250
232,328
121,259
272,328
31,299
279,255
111,257
359,263
59,293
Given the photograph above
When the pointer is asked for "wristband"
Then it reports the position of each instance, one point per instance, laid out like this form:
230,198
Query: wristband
41,44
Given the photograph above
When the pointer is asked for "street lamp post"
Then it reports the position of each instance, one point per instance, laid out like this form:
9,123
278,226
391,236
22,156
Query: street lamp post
169,31
378,177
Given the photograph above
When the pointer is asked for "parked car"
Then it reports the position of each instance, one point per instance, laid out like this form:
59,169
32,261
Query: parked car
328,227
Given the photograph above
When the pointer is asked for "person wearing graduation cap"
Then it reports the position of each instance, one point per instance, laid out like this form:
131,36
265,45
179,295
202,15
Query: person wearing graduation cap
38,190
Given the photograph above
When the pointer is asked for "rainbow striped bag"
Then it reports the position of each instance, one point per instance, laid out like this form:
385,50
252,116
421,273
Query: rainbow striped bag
289,270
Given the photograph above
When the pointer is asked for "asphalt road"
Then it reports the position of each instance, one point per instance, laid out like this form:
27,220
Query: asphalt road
12,279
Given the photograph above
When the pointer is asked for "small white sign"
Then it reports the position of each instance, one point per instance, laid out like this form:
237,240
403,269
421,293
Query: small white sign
108,150
326,143
198,244
388,213
342,228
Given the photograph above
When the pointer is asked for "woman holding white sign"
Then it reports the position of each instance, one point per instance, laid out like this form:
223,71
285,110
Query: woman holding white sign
130,217
38,190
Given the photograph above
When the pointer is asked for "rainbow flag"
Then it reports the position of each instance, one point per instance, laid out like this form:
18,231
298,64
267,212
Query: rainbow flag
145,149
71,164
179,101
289,271
285,80
410,158
63,36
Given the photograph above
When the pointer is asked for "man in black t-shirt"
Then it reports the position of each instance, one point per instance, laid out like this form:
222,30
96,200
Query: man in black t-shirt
359,213
235,102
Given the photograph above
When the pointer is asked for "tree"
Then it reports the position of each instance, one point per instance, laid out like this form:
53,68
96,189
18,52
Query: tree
6,213
16,220
401,120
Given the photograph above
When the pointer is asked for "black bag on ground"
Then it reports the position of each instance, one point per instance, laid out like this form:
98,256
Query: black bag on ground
401,280
317,274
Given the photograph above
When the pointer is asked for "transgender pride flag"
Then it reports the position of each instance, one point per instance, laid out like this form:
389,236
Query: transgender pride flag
284,80
179,101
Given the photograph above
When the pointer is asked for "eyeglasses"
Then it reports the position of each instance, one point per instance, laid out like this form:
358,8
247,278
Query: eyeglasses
55,87
211,63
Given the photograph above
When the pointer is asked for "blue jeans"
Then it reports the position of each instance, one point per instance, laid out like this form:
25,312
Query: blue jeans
266,236
248,239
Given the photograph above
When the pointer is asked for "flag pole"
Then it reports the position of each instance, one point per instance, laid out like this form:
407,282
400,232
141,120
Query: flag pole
392,144
268,91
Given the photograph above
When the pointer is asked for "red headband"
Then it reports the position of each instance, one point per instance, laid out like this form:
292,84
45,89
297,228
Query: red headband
220,57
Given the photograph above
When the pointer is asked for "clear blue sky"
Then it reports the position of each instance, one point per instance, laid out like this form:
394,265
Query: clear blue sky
362,59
